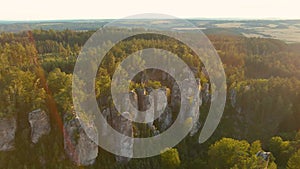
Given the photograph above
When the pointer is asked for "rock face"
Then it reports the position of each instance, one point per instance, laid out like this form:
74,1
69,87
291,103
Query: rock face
165,119
233,94
106,115
175,96
142,100
196,112
8,128
205,93
124,126
39,123
78,146
159,100
189,111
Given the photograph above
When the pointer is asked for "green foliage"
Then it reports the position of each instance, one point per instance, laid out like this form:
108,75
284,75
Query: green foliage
227,153
19,85
264,73
103,84
282,150
170,159
294,161
272,102
230,153
255,147
153,84
60,85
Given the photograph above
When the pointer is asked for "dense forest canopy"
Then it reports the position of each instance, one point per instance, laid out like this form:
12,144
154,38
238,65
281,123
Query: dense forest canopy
262,112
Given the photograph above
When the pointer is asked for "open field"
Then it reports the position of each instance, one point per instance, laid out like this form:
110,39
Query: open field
286,30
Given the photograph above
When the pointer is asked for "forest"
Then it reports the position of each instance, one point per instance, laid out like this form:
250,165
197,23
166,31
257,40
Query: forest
261,115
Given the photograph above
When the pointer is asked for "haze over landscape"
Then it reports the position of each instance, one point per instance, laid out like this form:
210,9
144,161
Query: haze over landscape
113,9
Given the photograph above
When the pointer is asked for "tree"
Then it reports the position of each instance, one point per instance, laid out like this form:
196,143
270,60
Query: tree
255,147
282,150
170,159
294,161
230,153
60,84
227,153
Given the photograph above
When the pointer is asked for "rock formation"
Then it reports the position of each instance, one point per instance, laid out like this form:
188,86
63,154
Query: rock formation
124,126
78,146
233,94
39,123
165,119
142,99
205,93
8,128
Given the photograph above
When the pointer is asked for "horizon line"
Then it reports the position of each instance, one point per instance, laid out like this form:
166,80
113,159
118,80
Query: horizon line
187,18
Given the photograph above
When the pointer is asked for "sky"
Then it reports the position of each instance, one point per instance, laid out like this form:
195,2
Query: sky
117,9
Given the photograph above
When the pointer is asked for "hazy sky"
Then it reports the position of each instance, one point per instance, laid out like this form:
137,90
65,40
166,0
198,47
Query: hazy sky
99,9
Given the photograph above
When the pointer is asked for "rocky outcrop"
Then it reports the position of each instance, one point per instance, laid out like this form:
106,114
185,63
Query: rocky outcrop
77,144
8,128
233,94
144,104
165,119
106,115
159,99
175,96
39,123
124,126
205,93
142,99
196,111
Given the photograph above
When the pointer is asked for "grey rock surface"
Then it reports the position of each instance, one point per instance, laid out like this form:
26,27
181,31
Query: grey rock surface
124,126
39,123
78,146
8,128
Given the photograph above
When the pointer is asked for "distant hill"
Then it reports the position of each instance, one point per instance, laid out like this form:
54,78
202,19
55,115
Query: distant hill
286,30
